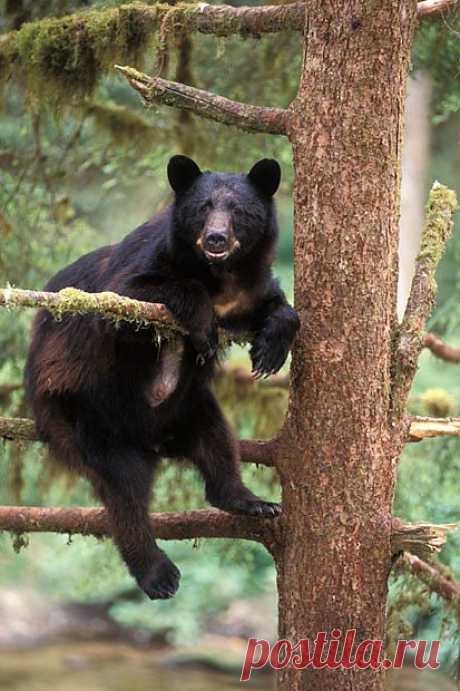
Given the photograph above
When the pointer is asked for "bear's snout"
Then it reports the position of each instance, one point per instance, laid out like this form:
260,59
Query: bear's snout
218,239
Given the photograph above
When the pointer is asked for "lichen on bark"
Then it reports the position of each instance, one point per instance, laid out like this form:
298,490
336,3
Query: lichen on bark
442,204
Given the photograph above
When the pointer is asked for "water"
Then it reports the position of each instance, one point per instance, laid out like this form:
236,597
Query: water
77,666
106,667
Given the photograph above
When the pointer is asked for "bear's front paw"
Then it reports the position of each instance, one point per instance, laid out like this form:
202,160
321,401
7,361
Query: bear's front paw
162,579
268,353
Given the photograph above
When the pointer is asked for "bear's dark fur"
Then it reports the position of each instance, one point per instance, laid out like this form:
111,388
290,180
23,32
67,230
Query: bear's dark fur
208,258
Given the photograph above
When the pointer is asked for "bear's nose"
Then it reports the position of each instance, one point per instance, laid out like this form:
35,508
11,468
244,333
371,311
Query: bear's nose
216,242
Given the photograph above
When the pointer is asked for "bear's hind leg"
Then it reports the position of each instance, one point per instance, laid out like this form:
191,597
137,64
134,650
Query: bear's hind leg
211,446
123,481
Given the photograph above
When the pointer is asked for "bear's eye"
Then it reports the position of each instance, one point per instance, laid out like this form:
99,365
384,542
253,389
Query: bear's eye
234,207
206,205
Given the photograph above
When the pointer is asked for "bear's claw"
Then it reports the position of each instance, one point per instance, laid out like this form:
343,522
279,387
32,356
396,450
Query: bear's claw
253,507
162,580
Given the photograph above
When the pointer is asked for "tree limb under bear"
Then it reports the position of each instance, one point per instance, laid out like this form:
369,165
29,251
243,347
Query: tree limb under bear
260,452
167,526
256,451
419,539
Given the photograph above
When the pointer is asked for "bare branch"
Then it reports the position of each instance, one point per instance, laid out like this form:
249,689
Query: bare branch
421,539
428,427
247,117
258,451
441,205
441,349
106,304
167,526
432,575
426,8
251,450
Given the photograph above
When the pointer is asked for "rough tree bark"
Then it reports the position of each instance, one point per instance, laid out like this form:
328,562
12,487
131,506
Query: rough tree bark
338,474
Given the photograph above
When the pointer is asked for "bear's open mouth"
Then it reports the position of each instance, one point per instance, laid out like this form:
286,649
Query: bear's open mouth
222,255
217,256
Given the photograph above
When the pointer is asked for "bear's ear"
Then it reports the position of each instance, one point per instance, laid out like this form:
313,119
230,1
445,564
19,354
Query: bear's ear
182,172
266,176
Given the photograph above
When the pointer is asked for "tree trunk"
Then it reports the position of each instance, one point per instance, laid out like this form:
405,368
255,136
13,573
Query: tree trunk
338,468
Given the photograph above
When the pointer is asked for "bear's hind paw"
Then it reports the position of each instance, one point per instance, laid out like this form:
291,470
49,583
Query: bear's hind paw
161,581
253,507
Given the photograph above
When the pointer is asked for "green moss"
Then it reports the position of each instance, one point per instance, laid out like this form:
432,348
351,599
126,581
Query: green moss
438,402
79,302
20,541
61,60
442,203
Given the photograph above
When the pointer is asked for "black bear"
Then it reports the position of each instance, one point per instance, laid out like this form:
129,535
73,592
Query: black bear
109,402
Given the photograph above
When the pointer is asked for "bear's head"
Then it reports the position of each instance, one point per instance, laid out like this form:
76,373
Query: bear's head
224,217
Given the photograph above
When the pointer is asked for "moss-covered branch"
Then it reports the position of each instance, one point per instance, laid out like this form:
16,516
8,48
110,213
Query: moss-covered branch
107,304
442,203
208,105
167,526
63,58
